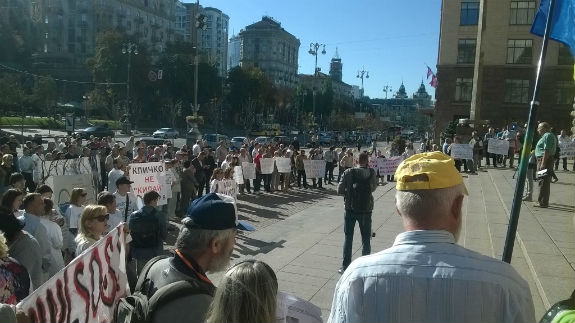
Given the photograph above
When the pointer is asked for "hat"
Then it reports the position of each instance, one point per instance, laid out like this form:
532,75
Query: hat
214,211
123,180
431,170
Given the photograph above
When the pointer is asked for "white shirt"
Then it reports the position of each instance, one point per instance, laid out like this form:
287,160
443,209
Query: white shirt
196,150
115,219
121,203
37,173
425,276
225,165
56,243
244,159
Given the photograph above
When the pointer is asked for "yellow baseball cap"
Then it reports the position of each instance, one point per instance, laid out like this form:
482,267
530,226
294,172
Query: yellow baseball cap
425,171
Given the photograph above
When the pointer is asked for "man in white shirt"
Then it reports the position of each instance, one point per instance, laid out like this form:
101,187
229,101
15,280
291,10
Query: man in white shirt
110,159
562,139
115,173
38,158
197,148
125,196
425,276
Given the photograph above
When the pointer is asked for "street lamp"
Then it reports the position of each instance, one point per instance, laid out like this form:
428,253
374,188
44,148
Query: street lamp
386,89
360,75
129,48
313,50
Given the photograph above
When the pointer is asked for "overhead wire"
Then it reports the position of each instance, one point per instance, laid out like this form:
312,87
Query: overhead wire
58,79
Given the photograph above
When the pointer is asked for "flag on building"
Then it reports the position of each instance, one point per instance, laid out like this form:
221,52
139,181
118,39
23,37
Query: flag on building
562,22
433,82
429,72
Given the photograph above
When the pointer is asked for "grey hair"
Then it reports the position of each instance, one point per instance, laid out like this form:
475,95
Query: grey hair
420,204
192,241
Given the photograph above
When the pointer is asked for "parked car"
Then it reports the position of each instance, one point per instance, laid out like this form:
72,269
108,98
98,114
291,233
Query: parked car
263,140
152,141
213,139
96,131
237,142
326,139
166,133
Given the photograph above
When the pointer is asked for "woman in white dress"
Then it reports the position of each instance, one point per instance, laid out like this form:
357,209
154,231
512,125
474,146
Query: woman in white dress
55,235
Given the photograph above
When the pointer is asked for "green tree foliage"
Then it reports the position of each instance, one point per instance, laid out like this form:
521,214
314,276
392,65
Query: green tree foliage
450,131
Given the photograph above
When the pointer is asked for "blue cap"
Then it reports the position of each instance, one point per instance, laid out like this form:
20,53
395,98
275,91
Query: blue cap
214,211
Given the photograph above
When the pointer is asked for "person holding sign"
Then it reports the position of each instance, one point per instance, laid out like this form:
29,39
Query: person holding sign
489,135
299,165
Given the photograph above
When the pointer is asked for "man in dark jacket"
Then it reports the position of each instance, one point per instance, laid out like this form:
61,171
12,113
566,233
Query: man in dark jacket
199,164
357,186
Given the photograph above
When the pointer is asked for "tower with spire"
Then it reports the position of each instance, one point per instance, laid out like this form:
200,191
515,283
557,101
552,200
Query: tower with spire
401,93
335,67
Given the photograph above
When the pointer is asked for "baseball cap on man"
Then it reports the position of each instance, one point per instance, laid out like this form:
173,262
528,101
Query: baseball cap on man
425,171
214,211
123,180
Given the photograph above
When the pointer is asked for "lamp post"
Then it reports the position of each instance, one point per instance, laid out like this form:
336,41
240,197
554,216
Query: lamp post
129,48
313,50
360,75
386,89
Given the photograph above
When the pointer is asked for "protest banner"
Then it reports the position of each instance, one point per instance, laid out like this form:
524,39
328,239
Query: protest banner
228,187
150,177
267,165
290,308
238,175
387,166
283,164
249,170
461,151
62,185
498,147
314,168
88,289
567,150
373,163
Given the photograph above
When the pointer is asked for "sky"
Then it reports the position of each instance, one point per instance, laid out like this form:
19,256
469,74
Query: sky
391,39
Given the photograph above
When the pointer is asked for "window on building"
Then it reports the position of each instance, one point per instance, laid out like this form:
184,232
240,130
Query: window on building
516,91
469,13
565,57
522,12
466,51
463,89
565,90
519,51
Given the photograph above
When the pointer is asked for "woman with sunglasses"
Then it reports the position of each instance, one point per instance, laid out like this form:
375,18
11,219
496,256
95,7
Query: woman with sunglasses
247,293
93,224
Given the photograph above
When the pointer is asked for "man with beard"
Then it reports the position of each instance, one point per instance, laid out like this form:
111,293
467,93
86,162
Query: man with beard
204,245
441,280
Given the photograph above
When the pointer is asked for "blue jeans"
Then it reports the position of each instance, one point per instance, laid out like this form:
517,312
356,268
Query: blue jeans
364,221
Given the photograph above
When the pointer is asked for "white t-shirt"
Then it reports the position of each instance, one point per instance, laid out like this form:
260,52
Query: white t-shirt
214,186
73,215
196,150
121,203
56,243
115,219
37,173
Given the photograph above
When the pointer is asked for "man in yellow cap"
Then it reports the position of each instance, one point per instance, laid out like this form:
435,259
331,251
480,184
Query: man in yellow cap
425,276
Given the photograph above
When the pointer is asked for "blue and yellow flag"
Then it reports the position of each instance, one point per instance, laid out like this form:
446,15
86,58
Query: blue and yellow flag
562,22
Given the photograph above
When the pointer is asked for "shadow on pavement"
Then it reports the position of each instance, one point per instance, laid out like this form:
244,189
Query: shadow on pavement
252,247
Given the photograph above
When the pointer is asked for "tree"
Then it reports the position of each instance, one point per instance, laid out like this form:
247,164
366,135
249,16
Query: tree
44,94
450,131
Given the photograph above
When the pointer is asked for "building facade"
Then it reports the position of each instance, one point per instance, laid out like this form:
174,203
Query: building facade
341,91
486,67
234,46
269,47
336,67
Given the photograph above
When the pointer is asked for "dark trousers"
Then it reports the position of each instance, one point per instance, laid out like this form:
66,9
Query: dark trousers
328,172
364,221
267,181
300,174
257,182
490,156
30,185
202,182
545,182
339,173
564,163
390,178
316,182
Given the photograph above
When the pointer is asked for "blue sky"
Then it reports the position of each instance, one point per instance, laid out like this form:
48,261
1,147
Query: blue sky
392,39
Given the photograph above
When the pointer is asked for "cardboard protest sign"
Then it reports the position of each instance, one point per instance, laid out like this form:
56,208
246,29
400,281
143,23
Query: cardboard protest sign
267,165
150,177
314,168
62,185
228,187
373,162
249,170
88,289
238,175
567,150
388,166
283,164
461,151
498,147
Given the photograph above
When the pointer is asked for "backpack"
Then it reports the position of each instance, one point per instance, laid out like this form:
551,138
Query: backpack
144,229
141,305
360,192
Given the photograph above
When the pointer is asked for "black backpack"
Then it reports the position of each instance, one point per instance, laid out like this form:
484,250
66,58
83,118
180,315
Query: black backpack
142,304
360,192
144,228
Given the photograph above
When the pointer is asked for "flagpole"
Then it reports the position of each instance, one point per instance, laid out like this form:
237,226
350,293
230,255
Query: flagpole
526,151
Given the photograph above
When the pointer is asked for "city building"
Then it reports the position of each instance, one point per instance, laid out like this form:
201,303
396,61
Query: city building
336,67
341,91
486,67
356,92
234,46
269,47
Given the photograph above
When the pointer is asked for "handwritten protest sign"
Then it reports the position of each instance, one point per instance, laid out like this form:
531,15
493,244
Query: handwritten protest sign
567,150
150,177
267,165
63,186
388,166
88,289
249,170
498,147
283,164
461,151
228,187
238,175
314,168
373,162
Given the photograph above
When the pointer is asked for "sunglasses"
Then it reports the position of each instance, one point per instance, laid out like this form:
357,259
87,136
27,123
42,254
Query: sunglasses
102,218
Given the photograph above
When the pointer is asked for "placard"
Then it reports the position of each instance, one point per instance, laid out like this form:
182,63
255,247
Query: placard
461,151
88,289
150,177
388,166
228,187
567,150
498,147
373,162
267,165
283,164
249,170
314,168
238,175
64,184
